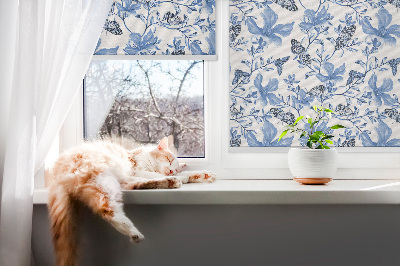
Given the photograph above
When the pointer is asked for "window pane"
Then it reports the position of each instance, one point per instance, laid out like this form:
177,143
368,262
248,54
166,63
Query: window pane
140,102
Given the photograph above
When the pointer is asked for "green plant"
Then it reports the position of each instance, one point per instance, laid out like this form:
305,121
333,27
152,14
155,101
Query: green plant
317,138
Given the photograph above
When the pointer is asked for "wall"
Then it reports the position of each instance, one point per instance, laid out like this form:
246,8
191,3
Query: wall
237,235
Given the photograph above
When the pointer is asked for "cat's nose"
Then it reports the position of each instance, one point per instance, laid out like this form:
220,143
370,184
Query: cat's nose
171,172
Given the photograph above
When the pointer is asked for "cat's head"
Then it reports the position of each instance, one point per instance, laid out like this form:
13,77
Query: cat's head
164,161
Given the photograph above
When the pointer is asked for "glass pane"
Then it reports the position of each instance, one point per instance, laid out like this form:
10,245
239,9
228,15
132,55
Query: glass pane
140,102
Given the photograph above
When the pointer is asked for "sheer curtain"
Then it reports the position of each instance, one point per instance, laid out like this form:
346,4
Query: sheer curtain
55,41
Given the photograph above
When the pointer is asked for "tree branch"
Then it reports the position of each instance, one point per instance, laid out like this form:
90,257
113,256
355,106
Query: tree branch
183,81
146,73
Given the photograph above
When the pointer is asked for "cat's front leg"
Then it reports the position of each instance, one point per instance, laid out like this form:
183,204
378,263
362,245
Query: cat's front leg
197,177
147,174
155,183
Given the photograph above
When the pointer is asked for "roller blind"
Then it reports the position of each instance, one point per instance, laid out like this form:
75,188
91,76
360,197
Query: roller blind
182,29
286,56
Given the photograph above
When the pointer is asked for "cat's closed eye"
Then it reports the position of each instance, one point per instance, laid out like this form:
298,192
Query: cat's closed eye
162,157
166,158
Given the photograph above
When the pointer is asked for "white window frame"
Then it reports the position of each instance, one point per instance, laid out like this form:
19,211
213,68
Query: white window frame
246,163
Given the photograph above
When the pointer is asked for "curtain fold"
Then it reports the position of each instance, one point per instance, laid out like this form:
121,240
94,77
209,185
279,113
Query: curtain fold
55,42
8,16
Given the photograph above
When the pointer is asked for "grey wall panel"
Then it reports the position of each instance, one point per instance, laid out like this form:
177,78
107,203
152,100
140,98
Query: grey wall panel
233,235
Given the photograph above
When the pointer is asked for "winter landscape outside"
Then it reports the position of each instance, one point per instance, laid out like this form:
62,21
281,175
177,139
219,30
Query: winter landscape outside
141,101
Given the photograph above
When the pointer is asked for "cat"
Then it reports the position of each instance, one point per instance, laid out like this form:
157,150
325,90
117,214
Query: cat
94,174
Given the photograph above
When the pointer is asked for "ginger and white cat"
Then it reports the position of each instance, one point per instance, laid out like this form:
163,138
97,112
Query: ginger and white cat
94,174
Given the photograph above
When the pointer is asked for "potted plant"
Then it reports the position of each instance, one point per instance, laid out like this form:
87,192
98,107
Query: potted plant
316,163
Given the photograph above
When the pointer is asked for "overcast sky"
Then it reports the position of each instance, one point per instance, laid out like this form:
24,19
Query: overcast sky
193,87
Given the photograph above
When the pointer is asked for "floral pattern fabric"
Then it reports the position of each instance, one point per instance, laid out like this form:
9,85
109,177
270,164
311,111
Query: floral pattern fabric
288,55
159,27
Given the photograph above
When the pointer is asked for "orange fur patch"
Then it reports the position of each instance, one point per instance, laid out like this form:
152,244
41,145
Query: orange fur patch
96,199
196,176
132,157
77,157
171,183
163,157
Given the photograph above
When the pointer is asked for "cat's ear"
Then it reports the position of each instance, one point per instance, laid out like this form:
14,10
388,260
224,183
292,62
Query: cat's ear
171,146
163,145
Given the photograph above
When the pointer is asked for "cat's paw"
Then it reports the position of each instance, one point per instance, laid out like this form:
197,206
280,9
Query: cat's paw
201,177
182,167
210,177
174,182
137,237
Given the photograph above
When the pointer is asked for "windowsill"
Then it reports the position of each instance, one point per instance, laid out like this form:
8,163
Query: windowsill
264,192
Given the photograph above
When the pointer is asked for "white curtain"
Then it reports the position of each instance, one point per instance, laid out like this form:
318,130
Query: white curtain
54,43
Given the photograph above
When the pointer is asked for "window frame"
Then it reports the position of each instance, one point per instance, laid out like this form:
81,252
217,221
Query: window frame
155,58
244,163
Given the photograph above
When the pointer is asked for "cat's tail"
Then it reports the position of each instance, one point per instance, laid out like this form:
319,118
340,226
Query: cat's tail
62,212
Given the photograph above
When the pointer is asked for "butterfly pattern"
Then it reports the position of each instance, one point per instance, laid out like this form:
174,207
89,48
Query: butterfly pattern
345,36
287,118
112,27
234,31
288,55
288,4
396,3
317,91
303,57
159,27
393,64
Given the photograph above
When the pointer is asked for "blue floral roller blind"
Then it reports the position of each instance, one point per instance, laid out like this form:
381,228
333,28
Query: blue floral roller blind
159,27
288,55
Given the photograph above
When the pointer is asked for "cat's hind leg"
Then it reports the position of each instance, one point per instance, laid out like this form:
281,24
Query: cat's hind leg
103,195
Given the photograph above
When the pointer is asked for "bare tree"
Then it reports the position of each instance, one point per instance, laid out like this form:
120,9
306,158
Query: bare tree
141,112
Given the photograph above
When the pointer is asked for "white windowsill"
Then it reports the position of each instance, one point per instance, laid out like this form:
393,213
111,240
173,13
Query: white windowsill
264,192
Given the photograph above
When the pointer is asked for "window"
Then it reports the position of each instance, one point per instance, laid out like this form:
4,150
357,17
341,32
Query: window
142,101
252,163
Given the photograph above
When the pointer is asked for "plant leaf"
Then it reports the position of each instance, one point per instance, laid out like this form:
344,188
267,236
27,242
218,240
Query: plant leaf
337,126
313,123
327,137
328,110
329,141
297,120
309,143
316,135
283,134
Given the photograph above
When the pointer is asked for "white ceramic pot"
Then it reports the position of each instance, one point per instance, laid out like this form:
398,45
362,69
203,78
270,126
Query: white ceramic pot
311,166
